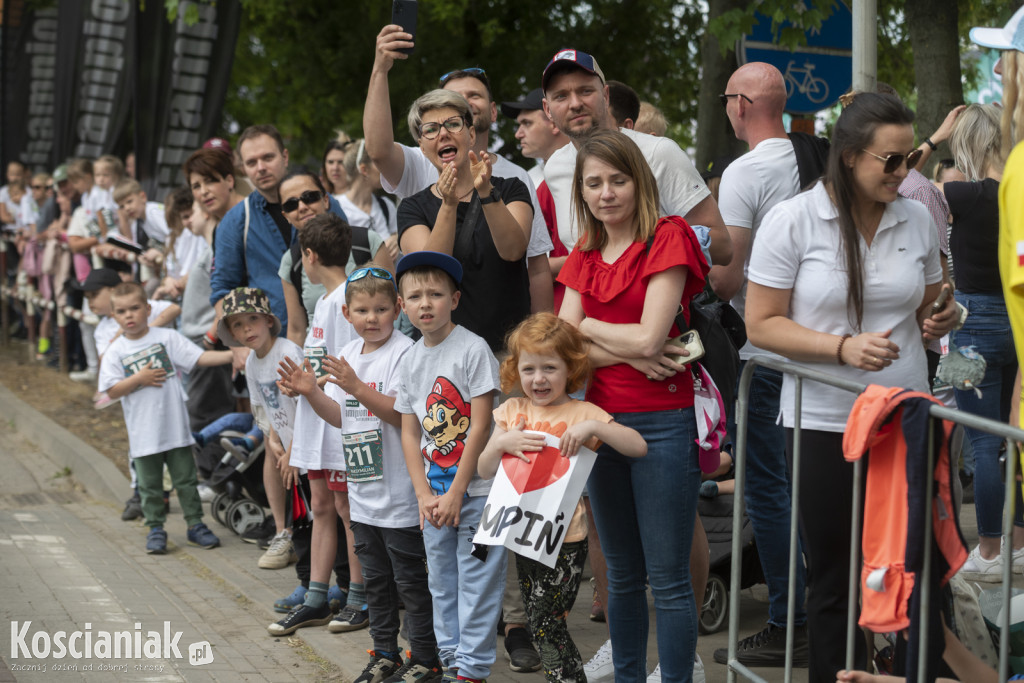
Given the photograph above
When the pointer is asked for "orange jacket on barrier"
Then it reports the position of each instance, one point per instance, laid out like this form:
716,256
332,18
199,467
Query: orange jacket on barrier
876,423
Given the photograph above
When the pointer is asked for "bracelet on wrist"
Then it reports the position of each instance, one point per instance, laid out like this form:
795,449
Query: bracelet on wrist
211,340
928,141
839,349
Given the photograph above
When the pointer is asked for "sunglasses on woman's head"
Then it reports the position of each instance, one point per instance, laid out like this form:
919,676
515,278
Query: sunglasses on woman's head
374,272
308,197
893,161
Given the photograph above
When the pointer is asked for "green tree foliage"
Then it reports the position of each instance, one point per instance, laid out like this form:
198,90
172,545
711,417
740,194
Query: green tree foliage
305,66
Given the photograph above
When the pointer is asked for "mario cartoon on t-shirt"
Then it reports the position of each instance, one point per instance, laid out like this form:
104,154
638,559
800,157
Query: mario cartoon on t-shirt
446,424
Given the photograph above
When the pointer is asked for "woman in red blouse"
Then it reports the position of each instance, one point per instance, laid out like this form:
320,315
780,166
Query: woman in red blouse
625,281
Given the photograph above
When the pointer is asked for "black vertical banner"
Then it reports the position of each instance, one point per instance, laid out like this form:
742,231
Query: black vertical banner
29,58
95,41
182,74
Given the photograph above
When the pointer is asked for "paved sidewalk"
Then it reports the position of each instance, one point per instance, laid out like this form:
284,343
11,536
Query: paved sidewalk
69,561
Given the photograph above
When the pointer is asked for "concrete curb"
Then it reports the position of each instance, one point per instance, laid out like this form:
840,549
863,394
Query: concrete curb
93,470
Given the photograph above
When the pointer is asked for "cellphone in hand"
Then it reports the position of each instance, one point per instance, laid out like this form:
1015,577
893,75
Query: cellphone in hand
690,341
403,13
940,302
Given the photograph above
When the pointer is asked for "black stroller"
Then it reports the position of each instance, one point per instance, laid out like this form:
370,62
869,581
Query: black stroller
241,499
716,518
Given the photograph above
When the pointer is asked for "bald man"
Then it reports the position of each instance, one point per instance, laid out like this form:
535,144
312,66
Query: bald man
755,98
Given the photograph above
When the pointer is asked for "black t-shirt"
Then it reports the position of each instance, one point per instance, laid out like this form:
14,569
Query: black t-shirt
495,292
974,239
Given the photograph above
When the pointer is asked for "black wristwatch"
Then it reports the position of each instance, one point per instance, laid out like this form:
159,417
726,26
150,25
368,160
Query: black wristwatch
928,141
491,198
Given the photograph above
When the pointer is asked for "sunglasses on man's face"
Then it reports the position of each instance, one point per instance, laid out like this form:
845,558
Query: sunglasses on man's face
309,197
893,161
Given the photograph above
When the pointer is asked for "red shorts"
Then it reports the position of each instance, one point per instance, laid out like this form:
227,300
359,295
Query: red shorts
337,480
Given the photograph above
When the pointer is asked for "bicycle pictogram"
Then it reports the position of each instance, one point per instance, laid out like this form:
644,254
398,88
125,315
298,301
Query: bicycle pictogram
814,89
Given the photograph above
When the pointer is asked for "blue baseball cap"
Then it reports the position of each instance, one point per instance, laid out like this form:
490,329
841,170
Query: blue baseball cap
570,57
430,258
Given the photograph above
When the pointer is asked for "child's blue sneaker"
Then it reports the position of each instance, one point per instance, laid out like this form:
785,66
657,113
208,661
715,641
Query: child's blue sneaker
336,598
285,604
201,536
156,541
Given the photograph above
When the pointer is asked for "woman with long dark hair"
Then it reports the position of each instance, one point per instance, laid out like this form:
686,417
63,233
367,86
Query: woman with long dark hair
842,278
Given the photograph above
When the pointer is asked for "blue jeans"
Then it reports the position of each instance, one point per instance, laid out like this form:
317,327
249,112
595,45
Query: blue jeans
768,495
235,422
645,510
466,593
988,330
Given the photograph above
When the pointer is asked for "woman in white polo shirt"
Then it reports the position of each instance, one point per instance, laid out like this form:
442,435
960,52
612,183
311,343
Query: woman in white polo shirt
842,279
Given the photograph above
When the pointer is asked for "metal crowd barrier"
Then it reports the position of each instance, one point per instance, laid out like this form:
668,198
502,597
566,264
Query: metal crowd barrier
25,291
1010,434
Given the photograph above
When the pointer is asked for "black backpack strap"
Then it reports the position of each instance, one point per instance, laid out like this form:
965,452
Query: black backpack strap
361,245
295,274
383,207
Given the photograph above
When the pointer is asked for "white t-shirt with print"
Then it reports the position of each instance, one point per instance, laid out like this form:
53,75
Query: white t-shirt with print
680,187
436,383
380,492
385,226
261,378
107,328
751,186
418,174
156,417
798,248
315,444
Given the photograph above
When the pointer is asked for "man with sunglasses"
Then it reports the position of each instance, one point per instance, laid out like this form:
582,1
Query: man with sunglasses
754,100
253,236
404,171
576,99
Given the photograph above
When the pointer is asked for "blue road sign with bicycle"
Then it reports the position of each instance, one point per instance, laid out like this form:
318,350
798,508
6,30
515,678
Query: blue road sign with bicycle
817,73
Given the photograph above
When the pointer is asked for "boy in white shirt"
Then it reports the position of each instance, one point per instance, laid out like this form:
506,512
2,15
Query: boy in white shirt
248,321
318,448
141,366
446,391
359,400
143,222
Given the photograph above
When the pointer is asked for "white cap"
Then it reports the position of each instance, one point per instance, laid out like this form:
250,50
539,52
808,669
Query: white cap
1009,37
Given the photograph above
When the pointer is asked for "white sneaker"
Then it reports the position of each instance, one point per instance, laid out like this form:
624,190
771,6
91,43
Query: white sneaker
698,672
600,668
83,375
281,552
977,568
1018,561
206,494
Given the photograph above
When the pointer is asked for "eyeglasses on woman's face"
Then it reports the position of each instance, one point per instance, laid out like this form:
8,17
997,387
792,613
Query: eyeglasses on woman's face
432,129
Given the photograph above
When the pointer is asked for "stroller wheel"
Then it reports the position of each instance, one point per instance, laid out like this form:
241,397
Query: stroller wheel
219,507
716,605
244,514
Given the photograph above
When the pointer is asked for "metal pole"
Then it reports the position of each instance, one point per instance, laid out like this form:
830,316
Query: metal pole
743,392
793,546
854,581
926,569
865,45
1010,502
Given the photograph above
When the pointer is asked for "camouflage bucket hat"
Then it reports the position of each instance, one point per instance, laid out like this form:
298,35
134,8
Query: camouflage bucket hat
245,300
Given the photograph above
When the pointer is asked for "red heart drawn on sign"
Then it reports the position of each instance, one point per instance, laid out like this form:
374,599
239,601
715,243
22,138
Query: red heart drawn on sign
546,467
